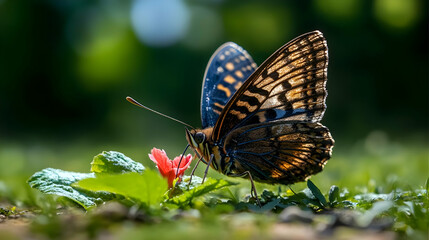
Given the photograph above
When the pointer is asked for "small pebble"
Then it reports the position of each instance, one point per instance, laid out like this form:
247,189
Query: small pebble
112,211
13,216
295,214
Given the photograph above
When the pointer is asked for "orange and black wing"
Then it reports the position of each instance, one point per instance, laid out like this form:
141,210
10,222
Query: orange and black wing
288,86
282,152
229,66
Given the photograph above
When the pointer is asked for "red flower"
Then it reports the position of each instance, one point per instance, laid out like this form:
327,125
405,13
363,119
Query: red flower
167,167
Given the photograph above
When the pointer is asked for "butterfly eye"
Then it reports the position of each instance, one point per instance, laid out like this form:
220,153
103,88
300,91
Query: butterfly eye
199,137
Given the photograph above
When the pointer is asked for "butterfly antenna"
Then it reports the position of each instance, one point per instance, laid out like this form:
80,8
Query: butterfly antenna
131,100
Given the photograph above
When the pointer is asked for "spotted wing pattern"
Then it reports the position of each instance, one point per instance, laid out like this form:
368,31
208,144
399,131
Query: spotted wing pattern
226,71
282,152
288,86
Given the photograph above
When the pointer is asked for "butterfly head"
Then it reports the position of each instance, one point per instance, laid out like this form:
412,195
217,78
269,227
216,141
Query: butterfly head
200,141
197,139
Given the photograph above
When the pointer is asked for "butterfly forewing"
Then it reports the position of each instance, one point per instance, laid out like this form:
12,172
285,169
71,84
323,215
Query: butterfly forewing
268,129
289,85
226,71
281,152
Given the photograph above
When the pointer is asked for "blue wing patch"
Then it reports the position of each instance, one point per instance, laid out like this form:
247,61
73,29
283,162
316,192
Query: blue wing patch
226,71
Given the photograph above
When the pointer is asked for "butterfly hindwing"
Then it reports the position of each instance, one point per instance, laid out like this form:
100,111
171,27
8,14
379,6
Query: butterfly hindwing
226,71
289,85
279,152
266,127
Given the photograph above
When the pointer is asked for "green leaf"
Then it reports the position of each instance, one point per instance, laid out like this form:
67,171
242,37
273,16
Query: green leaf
208,186
267,207
427,185
371,197
147,188
316,192
58,182
186,185
334,194
377,208
115,162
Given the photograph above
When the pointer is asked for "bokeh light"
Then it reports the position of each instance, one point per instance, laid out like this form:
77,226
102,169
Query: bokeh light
160,23
105,46
205,28
261,27
398,14
339,11
109,61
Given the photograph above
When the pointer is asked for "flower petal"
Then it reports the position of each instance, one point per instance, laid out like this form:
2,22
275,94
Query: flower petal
168,168
163,163
171,175
186,161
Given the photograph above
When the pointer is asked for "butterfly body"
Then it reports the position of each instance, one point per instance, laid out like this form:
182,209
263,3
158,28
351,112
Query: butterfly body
263,123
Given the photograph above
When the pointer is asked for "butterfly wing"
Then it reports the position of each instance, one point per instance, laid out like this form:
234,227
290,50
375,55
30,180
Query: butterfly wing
227,69
289,85
281,152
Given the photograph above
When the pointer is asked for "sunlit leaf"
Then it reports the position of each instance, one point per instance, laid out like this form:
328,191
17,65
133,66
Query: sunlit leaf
370,197
334,194
58,182
147,188
377,208
316,192
115,162
187,183
427,185
208,186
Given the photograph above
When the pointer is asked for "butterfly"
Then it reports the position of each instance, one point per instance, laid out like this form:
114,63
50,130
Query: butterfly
263,123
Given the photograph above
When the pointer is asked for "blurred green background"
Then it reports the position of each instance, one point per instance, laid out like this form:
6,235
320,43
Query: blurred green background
66,67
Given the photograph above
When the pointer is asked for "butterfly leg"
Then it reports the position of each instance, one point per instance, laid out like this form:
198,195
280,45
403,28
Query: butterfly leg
193,171
253,188
180,161
207,168
253,191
